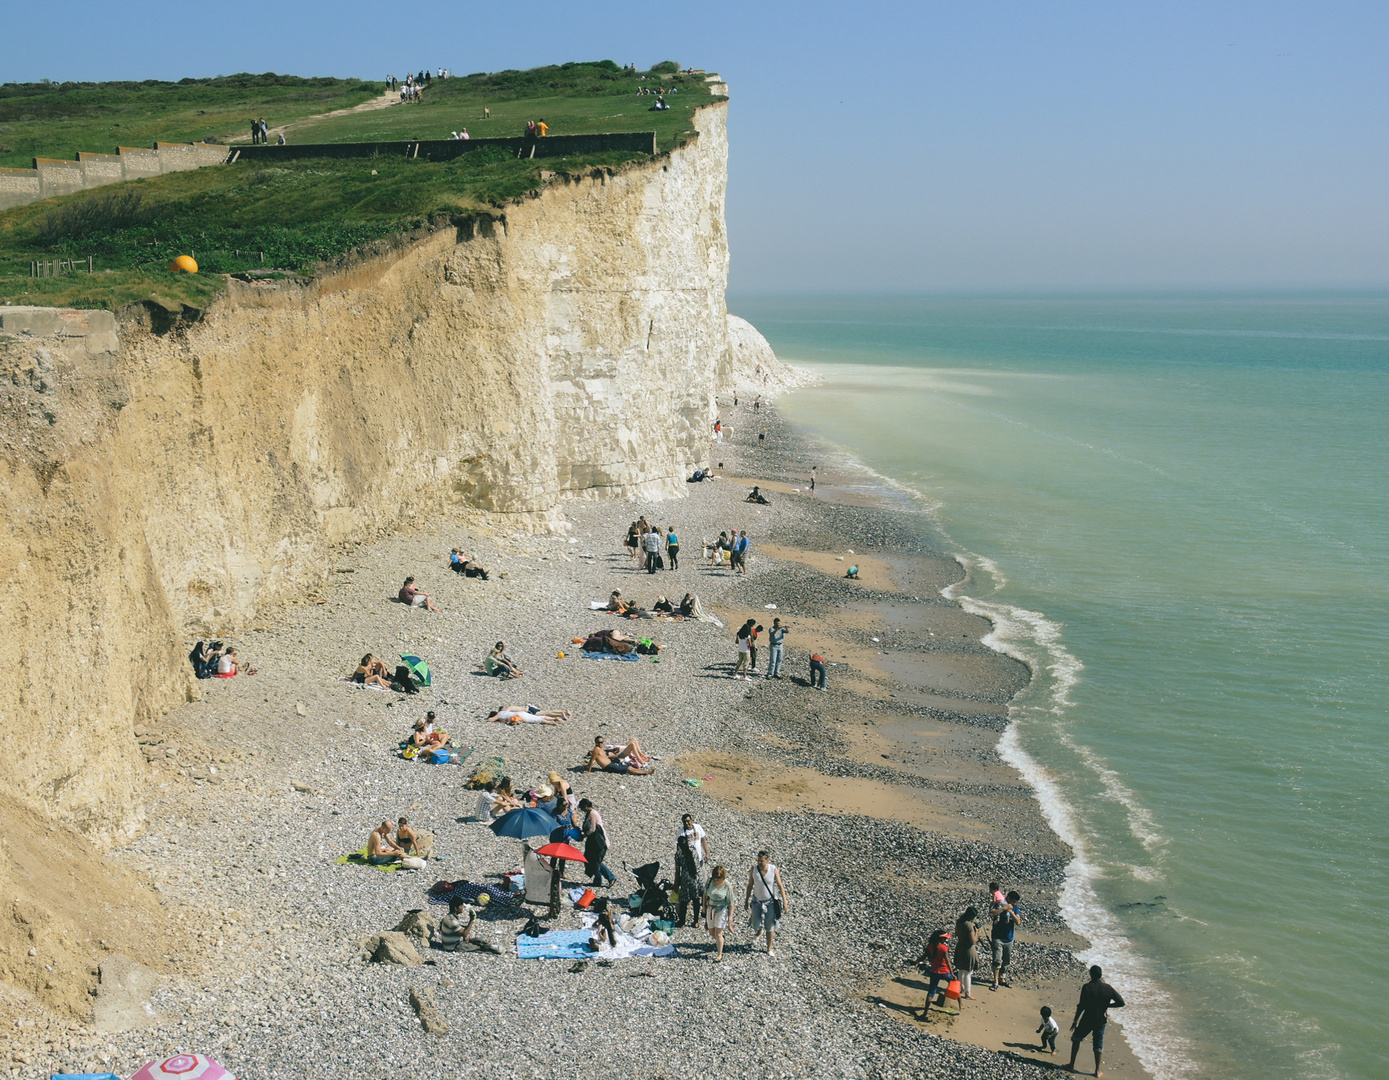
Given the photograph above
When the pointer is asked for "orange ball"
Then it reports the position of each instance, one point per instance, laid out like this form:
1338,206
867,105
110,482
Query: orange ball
186,263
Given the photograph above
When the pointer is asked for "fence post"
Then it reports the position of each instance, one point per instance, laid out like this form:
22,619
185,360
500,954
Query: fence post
89,264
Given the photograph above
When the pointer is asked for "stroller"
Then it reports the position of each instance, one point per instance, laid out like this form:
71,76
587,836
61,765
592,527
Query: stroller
654,898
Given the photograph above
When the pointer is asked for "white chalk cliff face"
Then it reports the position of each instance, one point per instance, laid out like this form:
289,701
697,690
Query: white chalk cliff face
163,485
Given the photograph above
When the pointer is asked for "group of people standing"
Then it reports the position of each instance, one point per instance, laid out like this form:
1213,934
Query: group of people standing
645,542
765,896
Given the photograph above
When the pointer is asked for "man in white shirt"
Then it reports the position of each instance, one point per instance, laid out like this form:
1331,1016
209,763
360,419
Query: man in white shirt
651,543
694,833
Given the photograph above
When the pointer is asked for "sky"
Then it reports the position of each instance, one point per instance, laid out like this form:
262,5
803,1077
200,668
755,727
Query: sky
908,147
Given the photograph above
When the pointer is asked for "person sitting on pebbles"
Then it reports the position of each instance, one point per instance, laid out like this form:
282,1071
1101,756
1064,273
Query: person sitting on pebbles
525,714
618,759
372,672
380,850
499,664
619,605
425,736
411,595
455,931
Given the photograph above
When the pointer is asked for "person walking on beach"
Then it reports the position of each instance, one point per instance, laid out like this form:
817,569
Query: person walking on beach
936,959
673,548
651,542
694,833
1006,917
966,951
817,671
686,880
1097,997
743,639
595,845
740,552
776,637
718,908
766,897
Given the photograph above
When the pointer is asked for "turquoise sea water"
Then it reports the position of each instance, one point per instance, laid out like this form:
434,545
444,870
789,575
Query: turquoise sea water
1177,510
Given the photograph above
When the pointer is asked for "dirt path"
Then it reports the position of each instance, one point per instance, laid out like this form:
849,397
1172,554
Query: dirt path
385,101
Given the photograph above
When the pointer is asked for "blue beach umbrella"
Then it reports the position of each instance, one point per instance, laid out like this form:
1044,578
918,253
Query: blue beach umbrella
524,823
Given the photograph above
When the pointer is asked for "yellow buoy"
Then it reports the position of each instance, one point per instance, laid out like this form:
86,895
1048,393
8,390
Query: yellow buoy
186,263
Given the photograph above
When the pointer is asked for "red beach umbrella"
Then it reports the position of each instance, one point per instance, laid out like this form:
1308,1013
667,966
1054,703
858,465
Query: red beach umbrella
562,851
184,1067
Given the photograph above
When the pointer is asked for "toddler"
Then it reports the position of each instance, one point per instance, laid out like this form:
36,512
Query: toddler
1048,1029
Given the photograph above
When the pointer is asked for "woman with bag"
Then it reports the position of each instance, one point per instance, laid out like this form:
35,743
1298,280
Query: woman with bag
766,897
937,961
718,908
967,950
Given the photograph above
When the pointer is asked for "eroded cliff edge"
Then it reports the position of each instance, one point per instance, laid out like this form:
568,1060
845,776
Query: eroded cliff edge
171,479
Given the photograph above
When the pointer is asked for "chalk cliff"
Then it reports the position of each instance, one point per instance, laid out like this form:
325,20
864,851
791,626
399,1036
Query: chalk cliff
168,477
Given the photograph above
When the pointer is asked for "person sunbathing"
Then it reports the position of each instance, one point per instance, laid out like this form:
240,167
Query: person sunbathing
618,759
371,672
380,850
411,595
499,664
523,714
619,605
406,838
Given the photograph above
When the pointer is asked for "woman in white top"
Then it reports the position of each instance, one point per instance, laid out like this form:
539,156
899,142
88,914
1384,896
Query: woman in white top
699,843
764,889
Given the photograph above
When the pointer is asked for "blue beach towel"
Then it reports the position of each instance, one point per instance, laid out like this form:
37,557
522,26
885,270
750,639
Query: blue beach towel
609,656
555,945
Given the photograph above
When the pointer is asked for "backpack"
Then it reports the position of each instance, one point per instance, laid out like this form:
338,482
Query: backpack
647,647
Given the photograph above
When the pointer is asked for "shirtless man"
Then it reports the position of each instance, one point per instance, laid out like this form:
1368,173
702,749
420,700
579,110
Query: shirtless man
609,759
380,850
520,714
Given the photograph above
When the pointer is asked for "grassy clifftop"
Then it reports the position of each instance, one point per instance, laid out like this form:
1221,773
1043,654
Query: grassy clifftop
293,215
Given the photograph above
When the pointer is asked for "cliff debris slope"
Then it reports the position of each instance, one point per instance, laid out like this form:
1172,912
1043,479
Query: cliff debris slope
171,476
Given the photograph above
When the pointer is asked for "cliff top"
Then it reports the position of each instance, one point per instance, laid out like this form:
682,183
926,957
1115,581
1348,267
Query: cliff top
290,216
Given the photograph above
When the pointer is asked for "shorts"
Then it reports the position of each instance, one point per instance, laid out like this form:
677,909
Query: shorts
382,860
1003,953
716,918
1095,1029
735,558
617,767
763,916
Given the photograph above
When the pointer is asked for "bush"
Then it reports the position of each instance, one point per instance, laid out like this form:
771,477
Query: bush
95,215
665,67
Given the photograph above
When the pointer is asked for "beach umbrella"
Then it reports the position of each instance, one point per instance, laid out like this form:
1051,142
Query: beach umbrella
418,668
524,823
184,1067
562,851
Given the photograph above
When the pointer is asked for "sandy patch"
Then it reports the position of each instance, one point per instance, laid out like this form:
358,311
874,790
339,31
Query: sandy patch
873,572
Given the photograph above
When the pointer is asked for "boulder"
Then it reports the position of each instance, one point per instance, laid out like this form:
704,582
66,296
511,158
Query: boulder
391,947
430,1018
419,926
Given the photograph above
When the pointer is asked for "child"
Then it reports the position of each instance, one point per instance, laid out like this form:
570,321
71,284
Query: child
1048,1030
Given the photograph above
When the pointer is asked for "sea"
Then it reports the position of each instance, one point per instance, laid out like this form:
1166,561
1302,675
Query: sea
1175,509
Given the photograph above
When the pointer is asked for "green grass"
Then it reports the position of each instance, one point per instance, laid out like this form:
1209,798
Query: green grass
300,213
59,119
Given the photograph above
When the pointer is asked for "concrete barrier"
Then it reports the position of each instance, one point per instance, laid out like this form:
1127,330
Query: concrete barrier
58,176
640,142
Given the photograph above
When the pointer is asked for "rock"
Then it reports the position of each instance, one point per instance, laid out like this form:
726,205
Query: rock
123,995
430,1018
391,947
299,708
418,926
304,788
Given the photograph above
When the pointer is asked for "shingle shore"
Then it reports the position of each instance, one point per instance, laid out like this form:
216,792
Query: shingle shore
279,990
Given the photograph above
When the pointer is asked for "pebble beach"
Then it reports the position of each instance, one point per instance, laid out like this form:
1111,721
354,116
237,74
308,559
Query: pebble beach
882,801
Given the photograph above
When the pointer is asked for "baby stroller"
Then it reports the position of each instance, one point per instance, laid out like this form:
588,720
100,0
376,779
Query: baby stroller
654,898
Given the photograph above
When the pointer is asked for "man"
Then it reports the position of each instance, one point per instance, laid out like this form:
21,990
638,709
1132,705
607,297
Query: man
600,758
380,850
255,132
1097,997
752,649
743,640
740,552
541,128
1006,917
817,671
595,845
766,897
694,833
776,638
651,543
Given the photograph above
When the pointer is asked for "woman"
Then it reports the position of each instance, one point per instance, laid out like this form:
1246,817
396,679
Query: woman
499,664
967,950
595,845
718,908
686,880
545,799
937,961
633,541
425,737
506,798
371,672
522,714
564,799
673,548
227,665
687,605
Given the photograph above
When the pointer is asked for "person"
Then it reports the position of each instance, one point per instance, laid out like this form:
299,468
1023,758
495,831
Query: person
228,667
718,431
756,496
371,672
663,606
766,895
455,934
201,659
817,671
456,561
499,664
626,759
718,908
464,134
604,934
686,880
673,548
812,479
486,803
651,542
1097,997
564,799
264,130
411,595
255,132
633,541
380,850
527,714
1006,917
687,605
740,552
852,573
619,605
752,649
281,140
408,840
595,845
698,841
757,401
743,641
541,128
762,441
506,798
937,961
1048,1030
423,736
716,554
967,950
776,638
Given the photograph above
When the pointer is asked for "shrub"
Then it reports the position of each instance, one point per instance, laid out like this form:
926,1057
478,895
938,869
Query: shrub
665,67
97,214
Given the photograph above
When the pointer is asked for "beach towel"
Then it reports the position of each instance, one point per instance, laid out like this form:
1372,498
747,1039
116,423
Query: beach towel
556,945
444,892
597,605
364,686
627,944
608,656
359,858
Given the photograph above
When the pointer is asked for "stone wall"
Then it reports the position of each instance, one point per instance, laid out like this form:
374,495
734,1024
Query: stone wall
640,142
176,481
57,176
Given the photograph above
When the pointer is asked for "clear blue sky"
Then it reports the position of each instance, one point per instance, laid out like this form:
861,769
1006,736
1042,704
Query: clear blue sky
909,146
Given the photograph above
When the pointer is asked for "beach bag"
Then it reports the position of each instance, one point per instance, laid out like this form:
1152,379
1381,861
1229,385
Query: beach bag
660,562
585,900
647,647
412,862
409,753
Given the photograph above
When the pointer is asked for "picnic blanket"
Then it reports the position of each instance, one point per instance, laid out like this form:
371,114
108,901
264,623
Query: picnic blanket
608,655
555,945
359,858
444,892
